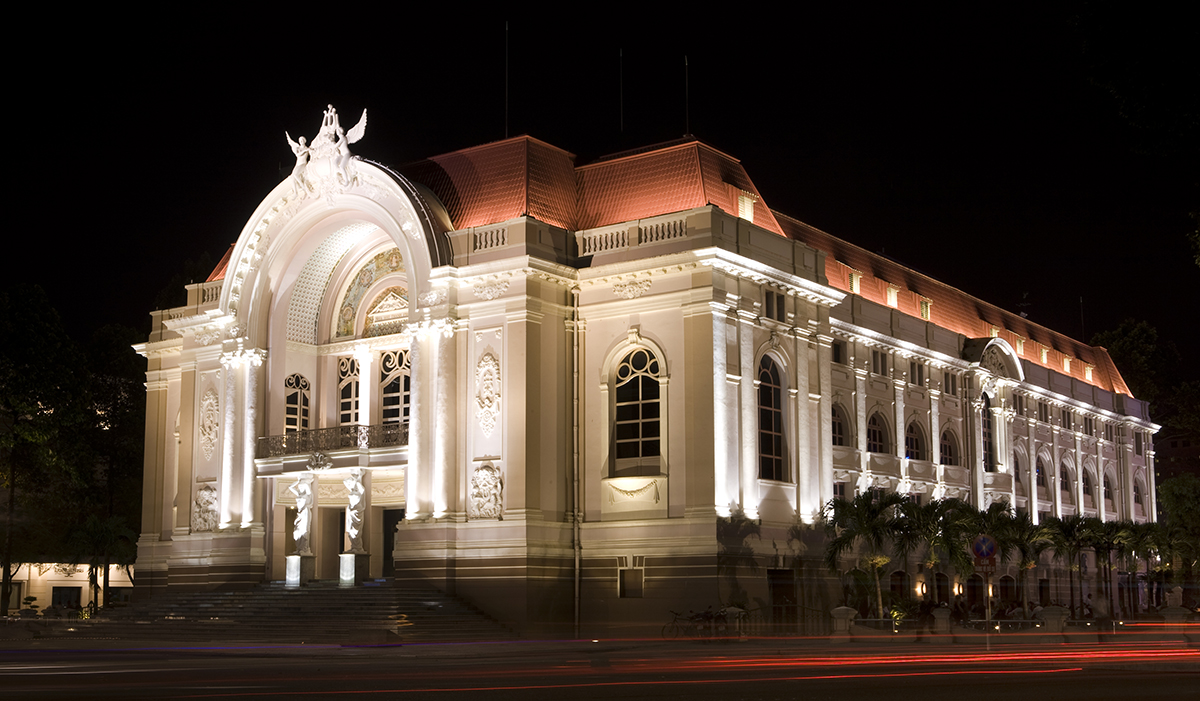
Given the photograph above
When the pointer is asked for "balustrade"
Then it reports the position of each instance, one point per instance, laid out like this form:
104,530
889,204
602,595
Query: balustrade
335,438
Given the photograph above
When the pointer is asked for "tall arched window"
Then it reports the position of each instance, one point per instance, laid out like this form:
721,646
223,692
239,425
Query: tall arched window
396,387
1016,466
914,443
841,432
1108,490
347,391
989,446
949,449
296,400
636,429
1041,473
1137,494
770,421
877,436
1087,483
1064,482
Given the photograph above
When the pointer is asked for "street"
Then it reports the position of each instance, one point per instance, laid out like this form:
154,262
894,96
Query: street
634,669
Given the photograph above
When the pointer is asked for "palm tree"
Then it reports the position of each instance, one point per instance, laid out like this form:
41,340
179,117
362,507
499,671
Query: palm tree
1138,543
1028,540
1070,535
867,521
1107,537
937,529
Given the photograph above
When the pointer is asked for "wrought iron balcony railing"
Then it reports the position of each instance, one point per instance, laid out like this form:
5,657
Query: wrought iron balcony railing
336,438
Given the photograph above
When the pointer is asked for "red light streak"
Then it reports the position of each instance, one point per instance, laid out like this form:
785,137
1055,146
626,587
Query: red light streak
656,682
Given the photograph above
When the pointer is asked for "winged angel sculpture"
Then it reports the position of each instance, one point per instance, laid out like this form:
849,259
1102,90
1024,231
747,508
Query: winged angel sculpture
326,166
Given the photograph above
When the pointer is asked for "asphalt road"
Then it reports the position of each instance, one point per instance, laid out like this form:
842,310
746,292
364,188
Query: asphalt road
585,670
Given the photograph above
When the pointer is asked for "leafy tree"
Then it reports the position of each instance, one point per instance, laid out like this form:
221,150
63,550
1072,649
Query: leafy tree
869,521
42,397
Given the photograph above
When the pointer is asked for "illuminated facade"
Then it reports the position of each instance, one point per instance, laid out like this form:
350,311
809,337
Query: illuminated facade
540,385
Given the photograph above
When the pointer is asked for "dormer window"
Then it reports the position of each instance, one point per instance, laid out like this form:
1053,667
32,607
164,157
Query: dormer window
746,206
855,281
893,296
926,309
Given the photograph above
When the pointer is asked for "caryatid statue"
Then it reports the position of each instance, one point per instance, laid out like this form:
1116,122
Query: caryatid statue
355,508
305,498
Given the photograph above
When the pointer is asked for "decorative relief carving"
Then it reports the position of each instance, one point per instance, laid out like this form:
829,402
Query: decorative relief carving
204,510
491,290
432,298
648,490
319,461
210,421
993,362
206,335
331,492
487,493
235,331
386,491
66,570
631,290
487,397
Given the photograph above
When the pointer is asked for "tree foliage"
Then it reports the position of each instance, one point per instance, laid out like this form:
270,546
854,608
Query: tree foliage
70,434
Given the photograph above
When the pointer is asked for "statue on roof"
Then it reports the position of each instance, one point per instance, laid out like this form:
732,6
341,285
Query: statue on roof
326,166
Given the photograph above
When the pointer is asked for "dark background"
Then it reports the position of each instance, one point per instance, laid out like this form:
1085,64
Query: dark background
1044,160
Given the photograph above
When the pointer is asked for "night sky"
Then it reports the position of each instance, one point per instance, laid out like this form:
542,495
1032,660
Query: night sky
990,151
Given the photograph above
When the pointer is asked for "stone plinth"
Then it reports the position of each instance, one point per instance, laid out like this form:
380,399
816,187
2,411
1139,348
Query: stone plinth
301,569
353,569
842,617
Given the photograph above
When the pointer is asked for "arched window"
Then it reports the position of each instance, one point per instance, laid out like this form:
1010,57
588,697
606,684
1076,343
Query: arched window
1041,473
877,437
1087,484
989,446
347,391
914,443
296,400
396,387
949,449
841,436
638,414
1137,494
1064,478
1108,490
770,421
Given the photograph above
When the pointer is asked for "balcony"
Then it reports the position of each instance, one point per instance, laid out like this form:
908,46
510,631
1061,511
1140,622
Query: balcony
329,439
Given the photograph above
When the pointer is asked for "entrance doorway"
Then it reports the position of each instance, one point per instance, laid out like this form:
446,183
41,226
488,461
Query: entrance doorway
391,519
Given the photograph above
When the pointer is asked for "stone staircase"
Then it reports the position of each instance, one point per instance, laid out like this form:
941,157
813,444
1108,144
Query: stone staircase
320,613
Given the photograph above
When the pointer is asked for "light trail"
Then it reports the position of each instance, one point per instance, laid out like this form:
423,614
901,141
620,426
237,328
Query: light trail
656,682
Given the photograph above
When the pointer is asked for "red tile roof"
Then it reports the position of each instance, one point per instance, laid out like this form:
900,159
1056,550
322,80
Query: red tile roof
953,309
218,272
501,181
669,179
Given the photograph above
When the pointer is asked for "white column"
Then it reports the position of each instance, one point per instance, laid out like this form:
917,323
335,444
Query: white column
252,362
748,489
723,495
445,428
228,490
414,474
